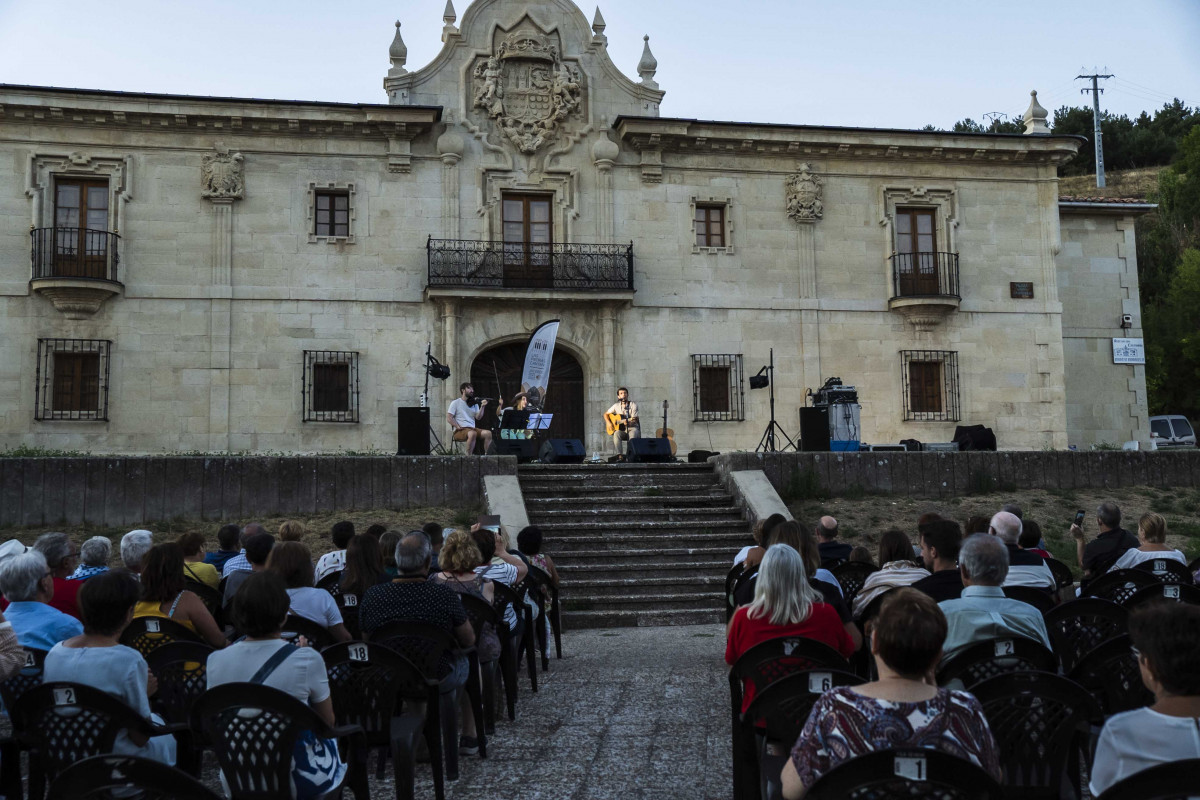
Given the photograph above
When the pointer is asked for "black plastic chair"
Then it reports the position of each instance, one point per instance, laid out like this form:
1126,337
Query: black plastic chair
1169,592
1110,673
888,774
1167,570
212,599
331,583
1174,780
851,575
731,579
1038,598
347,603
318,635
523,635
482,613
1041,722
61,723
550,609
1078,627
10,691
1118,585
784,708
992,657
1194,566
1062,573
253,729
385,694
103,777
145,634
182,672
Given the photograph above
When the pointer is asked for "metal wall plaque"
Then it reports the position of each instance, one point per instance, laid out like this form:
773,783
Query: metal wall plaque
1129,351
1021,290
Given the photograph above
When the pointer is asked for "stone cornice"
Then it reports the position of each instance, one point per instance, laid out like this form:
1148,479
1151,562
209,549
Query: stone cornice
656,135
178,113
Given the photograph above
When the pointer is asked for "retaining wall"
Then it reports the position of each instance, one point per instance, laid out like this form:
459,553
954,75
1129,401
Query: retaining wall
135,490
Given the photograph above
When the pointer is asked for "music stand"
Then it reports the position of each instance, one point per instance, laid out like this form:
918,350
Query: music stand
540,422
514,424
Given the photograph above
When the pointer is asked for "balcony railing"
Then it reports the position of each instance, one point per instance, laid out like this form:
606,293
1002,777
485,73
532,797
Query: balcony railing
527,265
925,275
75,253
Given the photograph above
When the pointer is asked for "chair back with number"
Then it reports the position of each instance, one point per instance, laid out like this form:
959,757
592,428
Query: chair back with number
29,676
1078,627
1110,673
107,776
1167,570
888,774
1170,592
851,576
1174,780
347,603
992,657
145,634
1118,585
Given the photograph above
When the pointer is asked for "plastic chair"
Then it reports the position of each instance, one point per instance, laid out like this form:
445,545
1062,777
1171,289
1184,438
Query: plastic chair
331,583
212,599
182,672
508,595
992,657
852,575
10,691
1168,592
482,613
1167,570
731,578
318,635
1118,585
1078,627
1038,598
1174,780
253,729
347,603
1110,673
1062,573
60,723
549,608
101,777
1040,721
145,634
385,694
888,774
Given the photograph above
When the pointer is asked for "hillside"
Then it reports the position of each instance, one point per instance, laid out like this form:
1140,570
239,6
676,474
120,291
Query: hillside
1120,183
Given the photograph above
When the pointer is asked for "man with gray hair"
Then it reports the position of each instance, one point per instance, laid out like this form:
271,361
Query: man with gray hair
1024,568
93,558
240,563
61,557
134,546
28,585
1097,556
983,612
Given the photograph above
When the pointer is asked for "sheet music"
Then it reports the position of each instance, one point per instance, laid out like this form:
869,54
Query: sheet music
540,422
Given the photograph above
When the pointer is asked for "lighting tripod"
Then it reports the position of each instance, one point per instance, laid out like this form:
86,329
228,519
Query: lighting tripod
768,444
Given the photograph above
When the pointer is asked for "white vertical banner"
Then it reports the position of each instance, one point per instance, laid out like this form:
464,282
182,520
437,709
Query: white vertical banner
536,375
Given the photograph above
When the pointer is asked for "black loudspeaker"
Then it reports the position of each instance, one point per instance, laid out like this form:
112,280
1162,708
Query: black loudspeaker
974,437
524,449
412,431
642,451
814,429
701,456
562,451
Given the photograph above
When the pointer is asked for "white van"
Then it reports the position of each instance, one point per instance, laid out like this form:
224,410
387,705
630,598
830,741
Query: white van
1172,430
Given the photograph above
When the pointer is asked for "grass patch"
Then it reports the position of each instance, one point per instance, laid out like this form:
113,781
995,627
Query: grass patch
981,483
804,485
855,491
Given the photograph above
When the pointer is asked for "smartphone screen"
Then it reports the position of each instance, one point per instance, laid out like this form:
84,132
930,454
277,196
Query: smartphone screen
489,522
1079,516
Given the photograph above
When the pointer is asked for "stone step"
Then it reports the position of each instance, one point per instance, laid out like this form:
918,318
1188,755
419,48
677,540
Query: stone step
616,515
640,570
618,479
565,549
576,620
601,561
537,491
673,467
709,500
704,586
563,527
646,602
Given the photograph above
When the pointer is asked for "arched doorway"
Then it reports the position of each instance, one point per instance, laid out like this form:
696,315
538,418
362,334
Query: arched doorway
564,395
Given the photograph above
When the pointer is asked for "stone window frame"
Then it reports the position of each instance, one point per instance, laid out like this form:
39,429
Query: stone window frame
43,169
310,217
736,412
43,398
563,188
950,393
727,204
312,358
942,200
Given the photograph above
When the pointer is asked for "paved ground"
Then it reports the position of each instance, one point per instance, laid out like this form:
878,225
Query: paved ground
629,713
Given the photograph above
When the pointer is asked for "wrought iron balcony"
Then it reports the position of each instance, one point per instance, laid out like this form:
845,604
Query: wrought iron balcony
924,287
483,264
75,268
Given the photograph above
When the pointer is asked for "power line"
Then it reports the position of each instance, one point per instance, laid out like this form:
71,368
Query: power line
1096,90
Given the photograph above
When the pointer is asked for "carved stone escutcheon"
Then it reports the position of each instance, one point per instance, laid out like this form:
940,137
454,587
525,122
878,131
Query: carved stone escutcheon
804,195
221,175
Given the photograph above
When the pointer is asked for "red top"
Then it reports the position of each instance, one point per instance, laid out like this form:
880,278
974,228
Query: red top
823,625
66,593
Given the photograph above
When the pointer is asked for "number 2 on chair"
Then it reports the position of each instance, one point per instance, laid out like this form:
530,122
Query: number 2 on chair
64,697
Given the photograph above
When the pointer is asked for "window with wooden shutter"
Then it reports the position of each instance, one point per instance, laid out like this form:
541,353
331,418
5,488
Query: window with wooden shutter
72,379
930,385
717,394
330,391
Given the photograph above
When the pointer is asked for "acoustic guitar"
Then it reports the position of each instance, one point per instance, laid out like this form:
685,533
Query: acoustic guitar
613,423
664,432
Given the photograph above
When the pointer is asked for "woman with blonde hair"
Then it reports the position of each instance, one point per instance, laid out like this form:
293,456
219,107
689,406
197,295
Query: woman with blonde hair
1152,538
292,531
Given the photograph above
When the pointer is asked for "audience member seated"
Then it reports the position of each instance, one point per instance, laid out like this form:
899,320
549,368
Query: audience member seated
460,557
258,550
1025,568
940,543
93,558
904,708
259,612
896,556
1166,640
195,568
292,561
784,605
983,612
363,569
28,585
832,551
437,536
1097,556
292,531
97,658
387,552
240,563
1031,538
134,546
861,555
977,524
12,654
1152,535
61,558
529,542
164,595
375,531
334,561
499,565
750,556
228,546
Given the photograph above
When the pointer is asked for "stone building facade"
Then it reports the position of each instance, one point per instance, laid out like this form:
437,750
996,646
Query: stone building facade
208,274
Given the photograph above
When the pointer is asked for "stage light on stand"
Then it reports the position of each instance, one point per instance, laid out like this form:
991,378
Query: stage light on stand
761,380
437,369
765,379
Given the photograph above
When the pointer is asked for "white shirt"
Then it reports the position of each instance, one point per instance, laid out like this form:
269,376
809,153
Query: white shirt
463,414
329,563
1132,557
316,605
1140,739
1024,575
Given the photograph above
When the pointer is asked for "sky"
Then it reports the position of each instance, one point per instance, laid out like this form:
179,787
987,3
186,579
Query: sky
866,63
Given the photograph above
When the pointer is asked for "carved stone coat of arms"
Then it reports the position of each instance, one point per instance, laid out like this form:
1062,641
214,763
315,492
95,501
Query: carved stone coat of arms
221,175
526,88
804,196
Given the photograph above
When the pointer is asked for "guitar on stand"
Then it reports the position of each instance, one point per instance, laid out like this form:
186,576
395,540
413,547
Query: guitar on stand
664,432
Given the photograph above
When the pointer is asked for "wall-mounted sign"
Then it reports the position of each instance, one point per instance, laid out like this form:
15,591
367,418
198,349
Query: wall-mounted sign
1021,290
1129,351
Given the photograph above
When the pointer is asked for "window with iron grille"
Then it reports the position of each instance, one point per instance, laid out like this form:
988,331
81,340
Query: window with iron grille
72,380
717,394
330,390
930,385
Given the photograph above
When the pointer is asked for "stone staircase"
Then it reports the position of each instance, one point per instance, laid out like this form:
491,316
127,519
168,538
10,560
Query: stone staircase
636,544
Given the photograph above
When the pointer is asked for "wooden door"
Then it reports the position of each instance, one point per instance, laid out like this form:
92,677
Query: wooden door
916,252
564,395
528,236
81,228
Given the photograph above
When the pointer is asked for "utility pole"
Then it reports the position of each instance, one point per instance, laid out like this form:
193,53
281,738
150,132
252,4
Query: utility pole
1096,91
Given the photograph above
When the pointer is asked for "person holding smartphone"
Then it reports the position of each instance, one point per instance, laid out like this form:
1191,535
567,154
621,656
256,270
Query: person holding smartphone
1097,556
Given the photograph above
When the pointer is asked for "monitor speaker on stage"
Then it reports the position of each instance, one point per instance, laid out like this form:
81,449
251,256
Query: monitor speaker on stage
814,429
524,449
643,451
562,451
412,431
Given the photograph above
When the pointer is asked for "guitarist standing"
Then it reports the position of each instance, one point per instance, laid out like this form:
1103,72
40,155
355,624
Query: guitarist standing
621,420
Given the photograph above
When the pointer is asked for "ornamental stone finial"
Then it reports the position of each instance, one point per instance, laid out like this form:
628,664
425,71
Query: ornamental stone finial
398,53
648,65
598,25
448,17
1035,117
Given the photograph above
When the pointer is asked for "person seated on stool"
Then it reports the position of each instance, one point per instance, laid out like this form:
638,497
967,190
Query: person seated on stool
462,417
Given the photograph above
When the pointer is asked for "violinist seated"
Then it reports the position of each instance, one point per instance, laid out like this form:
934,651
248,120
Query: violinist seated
462,416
